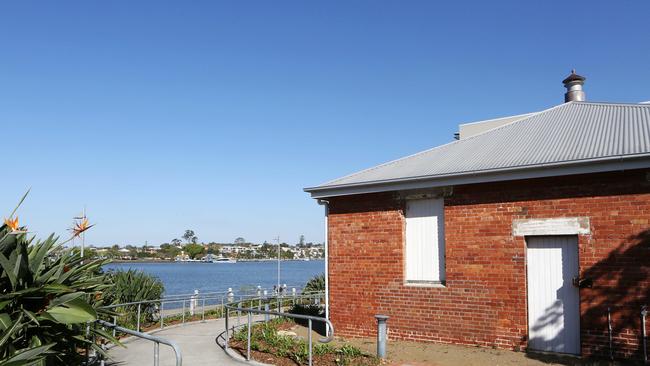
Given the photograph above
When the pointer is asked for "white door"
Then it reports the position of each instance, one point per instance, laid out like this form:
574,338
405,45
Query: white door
553,300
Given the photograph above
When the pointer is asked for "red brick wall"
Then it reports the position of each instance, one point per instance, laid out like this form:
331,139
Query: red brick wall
484,301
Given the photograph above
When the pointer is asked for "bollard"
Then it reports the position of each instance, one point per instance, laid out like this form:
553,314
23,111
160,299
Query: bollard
382,335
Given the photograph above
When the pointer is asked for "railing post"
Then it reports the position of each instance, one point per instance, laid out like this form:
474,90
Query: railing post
381,335
266,315
156,354
162,314
239,312
248,346
309,337
114,323
222,306
138,321
183,322
203,311
293,293
227,335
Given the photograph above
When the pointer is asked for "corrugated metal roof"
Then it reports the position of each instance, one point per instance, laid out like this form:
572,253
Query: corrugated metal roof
565,134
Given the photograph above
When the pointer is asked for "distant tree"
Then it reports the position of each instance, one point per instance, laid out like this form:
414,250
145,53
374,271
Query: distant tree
176,242
193,250
240,241
168,250
301,241
190,237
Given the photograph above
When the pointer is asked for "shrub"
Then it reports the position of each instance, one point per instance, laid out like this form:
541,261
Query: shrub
315,284
133,286
48,295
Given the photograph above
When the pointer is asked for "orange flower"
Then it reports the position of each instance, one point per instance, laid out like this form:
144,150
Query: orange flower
12,224
80,227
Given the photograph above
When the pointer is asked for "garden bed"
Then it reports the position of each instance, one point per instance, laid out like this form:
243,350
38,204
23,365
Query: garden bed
287,349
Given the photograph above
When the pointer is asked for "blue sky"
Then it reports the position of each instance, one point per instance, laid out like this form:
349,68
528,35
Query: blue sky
162,116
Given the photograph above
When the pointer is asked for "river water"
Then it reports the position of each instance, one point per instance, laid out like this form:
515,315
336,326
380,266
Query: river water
185,277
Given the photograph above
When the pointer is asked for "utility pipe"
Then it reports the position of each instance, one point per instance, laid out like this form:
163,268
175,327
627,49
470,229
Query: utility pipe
325,204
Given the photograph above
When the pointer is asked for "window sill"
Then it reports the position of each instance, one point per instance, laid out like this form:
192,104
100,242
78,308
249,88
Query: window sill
430,284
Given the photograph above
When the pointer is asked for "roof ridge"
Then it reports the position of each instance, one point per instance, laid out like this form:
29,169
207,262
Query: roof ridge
532,114
642,105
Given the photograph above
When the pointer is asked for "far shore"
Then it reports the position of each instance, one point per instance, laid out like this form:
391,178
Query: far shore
166,261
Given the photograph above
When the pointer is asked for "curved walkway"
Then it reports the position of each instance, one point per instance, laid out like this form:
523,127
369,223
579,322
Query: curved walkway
196,340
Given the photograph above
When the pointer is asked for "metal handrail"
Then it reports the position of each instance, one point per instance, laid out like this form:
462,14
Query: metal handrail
157,341
249,311
202,299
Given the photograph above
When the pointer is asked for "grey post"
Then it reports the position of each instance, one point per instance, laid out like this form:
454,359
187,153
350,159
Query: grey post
183,311
382,335
222,307
156,353
137,328
309,338
114,323
266,314
203,311
248,346
227,331
162,314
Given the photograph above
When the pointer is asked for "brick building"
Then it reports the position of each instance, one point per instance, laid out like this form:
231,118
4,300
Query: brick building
528,232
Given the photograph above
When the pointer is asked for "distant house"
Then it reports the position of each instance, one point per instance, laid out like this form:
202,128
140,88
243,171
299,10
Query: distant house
526,233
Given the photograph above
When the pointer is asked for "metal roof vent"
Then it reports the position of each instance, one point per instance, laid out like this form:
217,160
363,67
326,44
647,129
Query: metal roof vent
573,84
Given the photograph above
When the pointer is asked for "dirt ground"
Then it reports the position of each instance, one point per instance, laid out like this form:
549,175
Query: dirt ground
402,353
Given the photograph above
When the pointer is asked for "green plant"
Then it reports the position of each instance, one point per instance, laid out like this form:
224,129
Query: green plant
48,296
315,284
349,351
134,286
323,349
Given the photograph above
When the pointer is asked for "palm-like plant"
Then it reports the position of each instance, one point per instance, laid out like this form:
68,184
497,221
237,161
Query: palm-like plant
48,296
133,286
315,284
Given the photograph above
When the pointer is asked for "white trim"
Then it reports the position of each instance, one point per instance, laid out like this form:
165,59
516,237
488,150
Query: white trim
429,284
551,226
326,243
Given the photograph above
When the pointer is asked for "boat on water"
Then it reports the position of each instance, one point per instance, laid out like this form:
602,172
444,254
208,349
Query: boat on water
223,260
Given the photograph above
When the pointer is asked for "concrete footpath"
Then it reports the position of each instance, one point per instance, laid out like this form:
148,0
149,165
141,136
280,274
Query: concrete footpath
197,342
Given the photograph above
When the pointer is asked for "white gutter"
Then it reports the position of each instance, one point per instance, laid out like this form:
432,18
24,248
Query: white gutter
325,204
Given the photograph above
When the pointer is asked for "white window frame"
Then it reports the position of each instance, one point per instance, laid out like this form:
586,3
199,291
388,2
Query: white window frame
424,249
